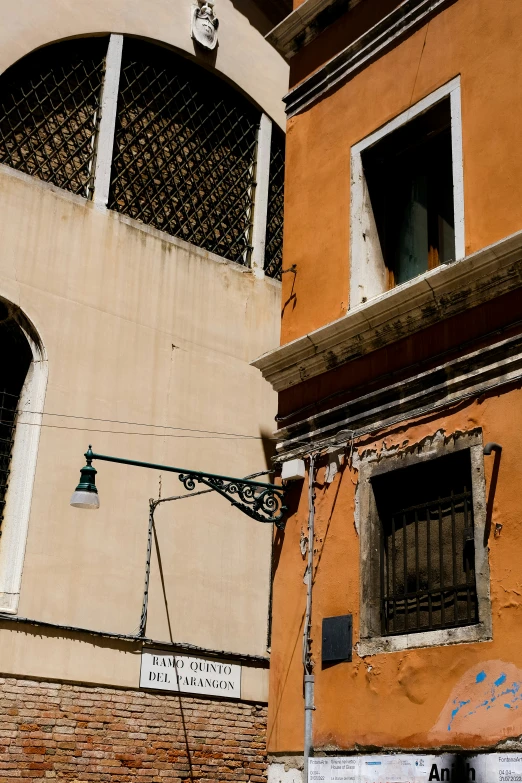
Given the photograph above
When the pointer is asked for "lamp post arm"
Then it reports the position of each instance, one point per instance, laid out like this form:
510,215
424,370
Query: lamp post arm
256,499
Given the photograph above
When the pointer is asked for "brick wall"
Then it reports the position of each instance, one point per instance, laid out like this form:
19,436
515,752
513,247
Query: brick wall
81,733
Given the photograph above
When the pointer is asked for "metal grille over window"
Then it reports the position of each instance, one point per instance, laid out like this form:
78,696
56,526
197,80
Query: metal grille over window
276,192
49,111
184,155
427,564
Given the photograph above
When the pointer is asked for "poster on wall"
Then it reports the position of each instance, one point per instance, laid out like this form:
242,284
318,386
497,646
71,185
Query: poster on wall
408,768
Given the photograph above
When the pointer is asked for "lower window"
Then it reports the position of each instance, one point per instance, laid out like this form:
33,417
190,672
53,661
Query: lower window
422,520
427,548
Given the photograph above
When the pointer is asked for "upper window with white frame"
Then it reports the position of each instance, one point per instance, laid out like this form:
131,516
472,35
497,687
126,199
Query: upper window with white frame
407,208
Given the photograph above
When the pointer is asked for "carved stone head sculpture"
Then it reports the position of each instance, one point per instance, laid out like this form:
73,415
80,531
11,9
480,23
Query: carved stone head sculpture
205,24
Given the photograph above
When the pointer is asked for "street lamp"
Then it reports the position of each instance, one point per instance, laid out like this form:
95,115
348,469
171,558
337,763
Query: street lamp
264,502
86,494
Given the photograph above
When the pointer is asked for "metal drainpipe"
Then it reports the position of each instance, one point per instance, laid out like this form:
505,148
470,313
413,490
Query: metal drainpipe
307,659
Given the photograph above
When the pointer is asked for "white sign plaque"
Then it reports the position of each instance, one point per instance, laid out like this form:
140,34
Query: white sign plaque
183,674
409,768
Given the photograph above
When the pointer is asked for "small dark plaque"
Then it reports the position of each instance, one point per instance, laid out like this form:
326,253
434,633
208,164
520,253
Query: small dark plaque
337,639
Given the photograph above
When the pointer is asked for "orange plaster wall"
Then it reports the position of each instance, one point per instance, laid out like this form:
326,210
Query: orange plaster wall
477,39
403,699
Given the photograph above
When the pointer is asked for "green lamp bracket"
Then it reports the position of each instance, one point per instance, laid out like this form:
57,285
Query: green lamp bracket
260,501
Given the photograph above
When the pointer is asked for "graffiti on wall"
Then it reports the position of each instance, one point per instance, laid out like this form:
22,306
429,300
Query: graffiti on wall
488,696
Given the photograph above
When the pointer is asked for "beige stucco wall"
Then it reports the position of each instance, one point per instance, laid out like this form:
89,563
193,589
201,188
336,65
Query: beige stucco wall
141,328
50,654
243,56
138,327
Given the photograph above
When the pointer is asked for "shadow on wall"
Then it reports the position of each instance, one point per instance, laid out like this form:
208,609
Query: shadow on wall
263,21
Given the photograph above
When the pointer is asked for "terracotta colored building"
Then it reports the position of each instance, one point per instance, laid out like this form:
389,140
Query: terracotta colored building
397,587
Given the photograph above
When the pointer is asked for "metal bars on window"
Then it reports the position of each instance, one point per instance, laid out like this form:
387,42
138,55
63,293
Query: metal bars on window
8,410
427,566
274,224
49,111
184,156
184,143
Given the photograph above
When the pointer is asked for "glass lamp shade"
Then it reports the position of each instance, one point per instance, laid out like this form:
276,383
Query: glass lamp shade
82,499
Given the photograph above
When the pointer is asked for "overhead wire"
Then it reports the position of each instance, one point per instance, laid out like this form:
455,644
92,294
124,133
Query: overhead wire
135,424
200,436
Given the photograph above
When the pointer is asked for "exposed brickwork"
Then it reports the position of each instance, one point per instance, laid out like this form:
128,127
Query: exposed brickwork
82,733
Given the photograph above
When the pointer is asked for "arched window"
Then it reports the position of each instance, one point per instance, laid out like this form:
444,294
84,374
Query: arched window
23,381
184,142
15,358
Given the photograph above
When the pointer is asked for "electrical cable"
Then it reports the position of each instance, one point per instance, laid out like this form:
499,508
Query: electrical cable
145,434
139,424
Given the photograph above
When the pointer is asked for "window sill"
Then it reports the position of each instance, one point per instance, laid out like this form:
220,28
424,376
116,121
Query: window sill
389,644
398,313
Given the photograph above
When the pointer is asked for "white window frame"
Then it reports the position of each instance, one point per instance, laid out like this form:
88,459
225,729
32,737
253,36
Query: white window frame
18,498
368,273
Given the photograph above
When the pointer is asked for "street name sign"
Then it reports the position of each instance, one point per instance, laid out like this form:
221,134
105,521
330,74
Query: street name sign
185,674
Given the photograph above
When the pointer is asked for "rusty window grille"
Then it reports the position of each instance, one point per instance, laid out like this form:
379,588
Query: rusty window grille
276,192
427,565
184,152
49,112
8,410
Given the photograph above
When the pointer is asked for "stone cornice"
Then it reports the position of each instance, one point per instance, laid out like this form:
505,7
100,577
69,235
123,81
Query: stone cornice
305,23
403,311
409,15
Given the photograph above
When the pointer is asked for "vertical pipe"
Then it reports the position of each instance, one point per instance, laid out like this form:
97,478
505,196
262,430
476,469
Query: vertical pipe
264,140
307,660
309,708
109,103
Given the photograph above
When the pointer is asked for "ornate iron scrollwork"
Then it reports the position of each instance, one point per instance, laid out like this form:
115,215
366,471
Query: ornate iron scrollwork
264,502
259,501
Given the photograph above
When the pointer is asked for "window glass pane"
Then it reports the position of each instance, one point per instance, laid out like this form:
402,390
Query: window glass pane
410,181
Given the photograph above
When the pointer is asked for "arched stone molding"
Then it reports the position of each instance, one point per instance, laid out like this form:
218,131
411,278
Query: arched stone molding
242,54
23,466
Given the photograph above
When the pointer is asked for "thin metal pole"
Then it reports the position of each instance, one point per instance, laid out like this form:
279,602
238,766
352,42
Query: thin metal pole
145,604
307,659
264,139
109,104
